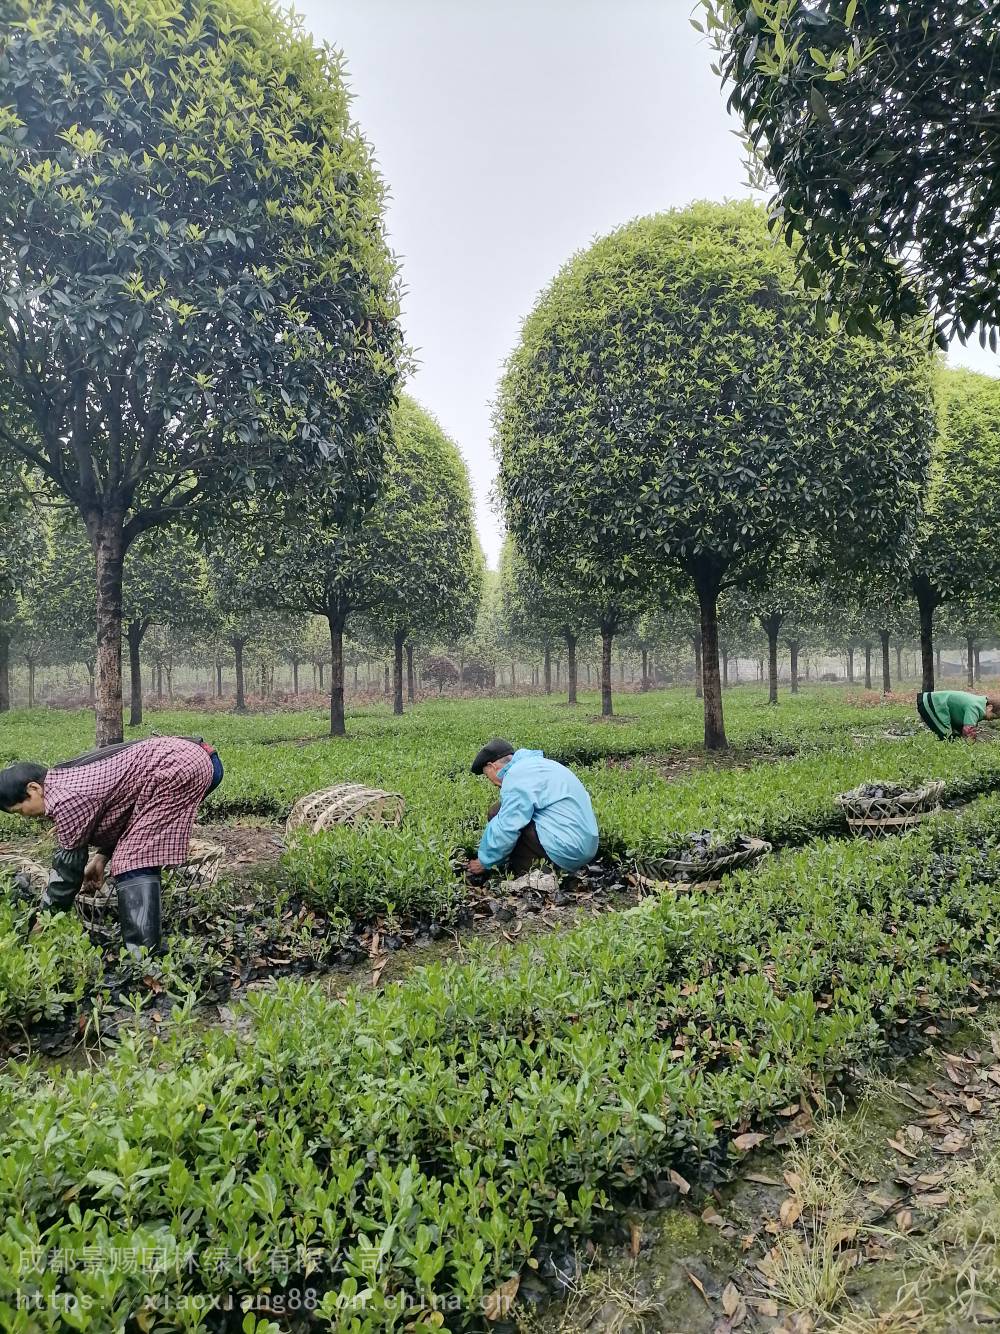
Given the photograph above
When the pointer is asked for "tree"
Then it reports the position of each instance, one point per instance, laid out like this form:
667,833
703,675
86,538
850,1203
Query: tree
957,555
412,562
671,405
198,302
878,123
539,605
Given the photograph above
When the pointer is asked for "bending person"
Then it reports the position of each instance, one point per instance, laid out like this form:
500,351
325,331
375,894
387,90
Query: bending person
134,803
951,714
544,812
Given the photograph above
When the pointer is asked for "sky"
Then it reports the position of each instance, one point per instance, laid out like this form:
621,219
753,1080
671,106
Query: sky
510,134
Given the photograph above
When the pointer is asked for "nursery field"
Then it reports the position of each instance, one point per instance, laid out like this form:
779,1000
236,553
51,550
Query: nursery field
427,1154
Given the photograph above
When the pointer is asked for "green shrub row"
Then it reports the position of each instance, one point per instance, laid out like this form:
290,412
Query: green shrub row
44,971
420,1144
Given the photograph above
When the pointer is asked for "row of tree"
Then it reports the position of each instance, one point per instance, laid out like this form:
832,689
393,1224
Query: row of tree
674,425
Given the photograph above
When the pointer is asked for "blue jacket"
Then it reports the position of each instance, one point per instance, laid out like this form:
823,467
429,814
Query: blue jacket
534,788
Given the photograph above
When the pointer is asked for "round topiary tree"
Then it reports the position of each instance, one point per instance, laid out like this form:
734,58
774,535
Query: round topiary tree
672,404
957,556
199,304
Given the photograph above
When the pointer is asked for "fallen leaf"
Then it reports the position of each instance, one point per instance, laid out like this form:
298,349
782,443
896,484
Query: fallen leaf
792,1110
677,1180
154,983
761,1178
953,1142
994,1075
954,1075
497,1304
904,1220
931,1178
749,1141
836,1236
712,1218
731,1298
793,1179
900,1148
790,1211
973,1105
698,1284
932,1200
766,1307
635,1239
914,1134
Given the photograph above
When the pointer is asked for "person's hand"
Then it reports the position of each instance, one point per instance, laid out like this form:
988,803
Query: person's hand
93,875
475,867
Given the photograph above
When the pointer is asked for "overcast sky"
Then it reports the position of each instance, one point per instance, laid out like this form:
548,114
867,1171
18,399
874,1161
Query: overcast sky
511,133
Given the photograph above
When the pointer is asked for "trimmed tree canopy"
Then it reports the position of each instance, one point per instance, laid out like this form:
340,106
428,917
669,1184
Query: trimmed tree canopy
413,564
196,298
879,121
672,403
958,555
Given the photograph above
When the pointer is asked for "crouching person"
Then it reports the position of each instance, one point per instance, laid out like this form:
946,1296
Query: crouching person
134,804
544,812
955,714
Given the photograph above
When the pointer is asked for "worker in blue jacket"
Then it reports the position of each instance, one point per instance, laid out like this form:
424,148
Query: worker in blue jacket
544,812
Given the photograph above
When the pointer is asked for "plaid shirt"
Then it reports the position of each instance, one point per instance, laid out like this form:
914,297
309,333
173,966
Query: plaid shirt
138,804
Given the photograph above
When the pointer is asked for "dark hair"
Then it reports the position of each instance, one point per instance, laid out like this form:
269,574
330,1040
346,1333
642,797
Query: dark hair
497,749
14,782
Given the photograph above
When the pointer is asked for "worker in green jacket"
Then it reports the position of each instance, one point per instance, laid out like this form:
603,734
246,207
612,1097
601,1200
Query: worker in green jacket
956,713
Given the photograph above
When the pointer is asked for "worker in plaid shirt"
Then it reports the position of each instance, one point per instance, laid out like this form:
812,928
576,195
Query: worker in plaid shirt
134,804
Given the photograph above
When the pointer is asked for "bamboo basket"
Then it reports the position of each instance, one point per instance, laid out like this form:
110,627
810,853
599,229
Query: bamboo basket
873,817
695,870
347,803
201,868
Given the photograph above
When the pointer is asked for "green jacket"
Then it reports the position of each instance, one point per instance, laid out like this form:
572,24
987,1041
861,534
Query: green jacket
947,712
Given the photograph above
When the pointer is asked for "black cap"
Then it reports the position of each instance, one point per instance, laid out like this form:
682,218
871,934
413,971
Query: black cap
493,750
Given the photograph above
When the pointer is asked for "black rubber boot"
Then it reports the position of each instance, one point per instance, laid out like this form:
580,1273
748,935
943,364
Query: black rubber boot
65,878
139,911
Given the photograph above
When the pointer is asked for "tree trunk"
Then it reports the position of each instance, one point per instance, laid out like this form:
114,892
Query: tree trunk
850,664
926,603
410,684
645,669
109,554
398,641
971,661
159,680
170,680
899,662
571,666
937,663
978,667
590,680
337,723
513,676
241,699
4,672
31,682
135,673
793,668
886,676
386,688
699,688
725,669
708,600
868,666
91,684
547,669
771,625
295,676
607,639
218,678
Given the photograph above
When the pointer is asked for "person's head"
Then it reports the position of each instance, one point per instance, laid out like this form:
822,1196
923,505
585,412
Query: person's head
493,759
22,789
993,706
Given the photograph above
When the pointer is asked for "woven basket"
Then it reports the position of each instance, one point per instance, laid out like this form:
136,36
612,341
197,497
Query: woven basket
347,803
874,816
694,871
202,866
16,863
